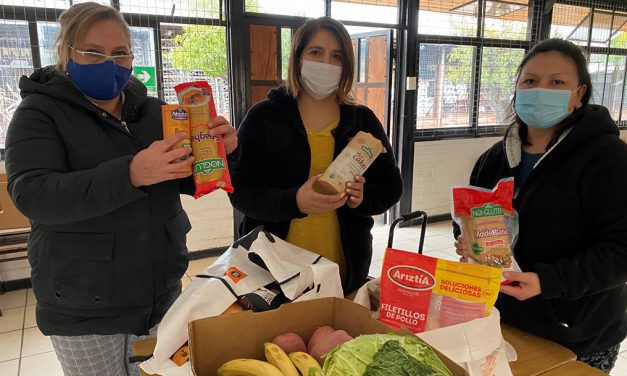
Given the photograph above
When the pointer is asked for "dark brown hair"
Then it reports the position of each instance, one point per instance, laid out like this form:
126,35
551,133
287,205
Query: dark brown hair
571,51
301,39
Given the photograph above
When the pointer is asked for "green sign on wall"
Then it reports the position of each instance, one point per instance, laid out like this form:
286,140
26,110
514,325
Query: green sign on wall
148,76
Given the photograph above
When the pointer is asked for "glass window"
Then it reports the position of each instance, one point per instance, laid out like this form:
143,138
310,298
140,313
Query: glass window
60,4
182,8
571,22
498,76
195,52
47,34
607,73
444,86
618,39
442,17
506,20
379,11
16,60
303,8
286,45
363,59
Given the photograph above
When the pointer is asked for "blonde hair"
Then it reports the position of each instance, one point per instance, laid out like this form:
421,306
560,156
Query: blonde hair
75,22
301,39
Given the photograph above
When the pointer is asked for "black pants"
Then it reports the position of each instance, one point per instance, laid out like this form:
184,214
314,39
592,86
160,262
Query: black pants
603,360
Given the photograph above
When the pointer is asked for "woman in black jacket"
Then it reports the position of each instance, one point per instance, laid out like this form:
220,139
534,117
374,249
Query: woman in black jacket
570,170
290,138
86,164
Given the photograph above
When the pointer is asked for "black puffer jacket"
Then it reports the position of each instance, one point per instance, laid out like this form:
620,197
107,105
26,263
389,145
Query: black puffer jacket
573,233
106,257
274,160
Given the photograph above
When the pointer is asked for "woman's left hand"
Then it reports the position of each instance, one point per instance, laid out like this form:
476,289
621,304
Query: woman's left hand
219,126
524,286
355,192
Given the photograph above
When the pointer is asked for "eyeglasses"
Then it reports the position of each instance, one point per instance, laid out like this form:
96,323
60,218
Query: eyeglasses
97,58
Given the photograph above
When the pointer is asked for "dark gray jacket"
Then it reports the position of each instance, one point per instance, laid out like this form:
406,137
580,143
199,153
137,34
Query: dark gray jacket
106,257
573,233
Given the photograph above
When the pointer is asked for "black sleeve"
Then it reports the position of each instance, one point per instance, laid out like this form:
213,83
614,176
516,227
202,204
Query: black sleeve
384,185
251,195
602,263
41,184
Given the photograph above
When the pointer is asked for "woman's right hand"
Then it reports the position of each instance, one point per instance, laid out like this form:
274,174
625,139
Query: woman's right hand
460,248
312,202
159,162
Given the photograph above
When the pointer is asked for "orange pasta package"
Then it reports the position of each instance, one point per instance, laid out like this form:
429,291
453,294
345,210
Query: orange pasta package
175,119
210,166
489,224
424,293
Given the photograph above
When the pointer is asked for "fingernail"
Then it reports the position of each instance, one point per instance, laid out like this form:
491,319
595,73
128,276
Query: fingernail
348,185
506,274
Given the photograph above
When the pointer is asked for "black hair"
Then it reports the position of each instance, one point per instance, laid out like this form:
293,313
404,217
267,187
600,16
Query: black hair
569,50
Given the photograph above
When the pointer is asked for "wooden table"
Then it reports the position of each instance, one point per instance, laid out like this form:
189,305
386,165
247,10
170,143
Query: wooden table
575,368
535,355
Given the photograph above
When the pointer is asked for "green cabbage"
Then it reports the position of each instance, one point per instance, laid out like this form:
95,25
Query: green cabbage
353,357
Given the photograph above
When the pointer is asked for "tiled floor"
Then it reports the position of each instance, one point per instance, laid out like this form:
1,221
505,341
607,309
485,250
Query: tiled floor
24,351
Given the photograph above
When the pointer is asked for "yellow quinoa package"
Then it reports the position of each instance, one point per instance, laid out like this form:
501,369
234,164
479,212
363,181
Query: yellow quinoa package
175,120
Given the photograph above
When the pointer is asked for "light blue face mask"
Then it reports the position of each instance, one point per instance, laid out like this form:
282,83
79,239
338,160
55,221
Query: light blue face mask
542,108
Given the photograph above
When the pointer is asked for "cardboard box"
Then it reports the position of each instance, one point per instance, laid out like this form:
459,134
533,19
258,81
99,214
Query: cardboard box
216,340
10,218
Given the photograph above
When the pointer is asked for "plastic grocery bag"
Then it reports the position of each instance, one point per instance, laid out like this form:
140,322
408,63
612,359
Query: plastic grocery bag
252,262
478,345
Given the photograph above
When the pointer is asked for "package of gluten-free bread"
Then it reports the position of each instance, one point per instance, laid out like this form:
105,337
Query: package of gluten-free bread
354,160
489,223
210,166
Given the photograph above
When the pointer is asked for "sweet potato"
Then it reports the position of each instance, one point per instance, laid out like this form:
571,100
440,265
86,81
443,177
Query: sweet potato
322,331
328,343
290,342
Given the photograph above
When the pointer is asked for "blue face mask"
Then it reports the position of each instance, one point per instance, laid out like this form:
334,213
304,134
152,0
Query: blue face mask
99,81
542,108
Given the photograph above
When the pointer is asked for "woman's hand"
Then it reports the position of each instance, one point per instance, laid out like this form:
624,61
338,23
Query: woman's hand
355,192
219,126
159,162
312,202
525,286
460,248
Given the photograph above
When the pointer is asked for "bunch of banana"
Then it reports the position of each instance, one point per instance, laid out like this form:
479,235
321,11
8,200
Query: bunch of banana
278,364
278,358
306,364
248,367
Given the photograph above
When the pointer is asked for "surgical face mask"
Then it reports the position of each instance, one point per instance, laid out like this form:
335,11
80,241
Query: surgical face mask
103,81
320,79
542,108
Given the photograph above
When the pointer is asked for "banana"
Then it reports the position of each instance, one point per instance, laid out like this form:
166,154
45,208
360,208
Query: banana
304,362
248,367
278,358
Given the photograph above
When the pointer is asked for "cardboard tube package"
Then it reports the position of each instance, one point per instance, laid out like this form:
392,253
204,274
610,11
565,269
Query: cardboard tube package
354,160
210,165
175,119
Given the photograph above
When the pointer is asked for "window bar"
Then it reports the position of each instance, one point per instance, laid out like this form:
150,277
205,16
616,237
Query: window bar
34,40
476,71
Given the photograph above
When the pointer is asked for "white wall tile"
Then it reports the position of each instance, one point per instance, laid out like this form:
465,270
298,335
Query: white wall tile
451,165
